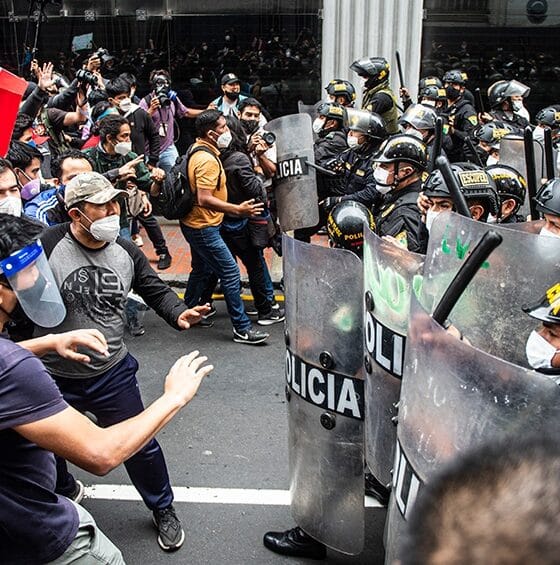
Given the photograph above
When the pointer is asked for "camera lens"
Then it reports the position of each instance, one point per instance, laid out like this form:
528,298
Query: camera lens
268,137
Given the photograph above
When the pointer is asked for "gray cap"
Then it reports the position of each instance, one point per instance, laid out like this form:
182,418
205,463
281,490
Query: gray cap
90,187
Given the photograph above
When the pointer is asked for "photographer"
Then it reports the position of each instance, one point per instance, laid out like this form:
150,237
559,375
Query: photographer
163,105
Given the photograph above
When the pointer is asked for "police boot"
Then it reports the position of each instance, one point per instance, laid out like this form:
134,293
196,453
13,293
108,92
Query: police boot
377,490
295,543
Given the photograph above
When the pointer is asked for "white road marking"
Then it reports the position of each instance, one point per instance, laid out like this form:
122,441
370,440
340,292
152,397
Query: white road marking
260,497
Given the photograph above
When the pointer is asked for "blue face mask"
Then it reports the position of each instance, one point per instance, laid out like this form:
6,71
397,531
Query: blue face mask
32,143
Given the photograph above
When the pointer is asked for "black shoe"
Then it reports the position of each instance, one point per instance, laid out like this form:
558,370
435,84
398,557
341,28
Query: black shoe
273,317
164,262
212,312
377,490
250,336
78,492
171,535
294,543
135,328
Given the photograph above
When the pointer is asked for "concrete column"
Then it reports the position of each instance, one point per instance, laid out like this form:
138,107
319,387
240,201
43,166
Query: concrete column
353,29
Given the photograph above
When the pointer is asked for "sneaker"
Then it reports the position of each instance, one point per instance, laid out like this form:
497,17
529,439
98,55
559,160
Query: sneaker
251,310
212,312
137,239
171,535
136,329
78,492
273,317
164,262
250,336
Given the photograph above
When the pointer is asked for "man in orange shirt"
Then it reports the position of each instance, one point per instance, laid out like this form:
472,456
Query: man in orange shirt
201,226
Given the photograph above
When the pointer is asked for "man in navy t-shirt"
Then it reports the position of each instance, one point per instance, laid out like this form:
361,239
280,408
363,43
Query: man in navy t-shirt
37,525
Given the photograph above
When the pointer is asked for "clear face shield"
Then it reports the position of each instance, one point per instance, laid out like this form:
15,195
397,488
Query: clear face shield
31,278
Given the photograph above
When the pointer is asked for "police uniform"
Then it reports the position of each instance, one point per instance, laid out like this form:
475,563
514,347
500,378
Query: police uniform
463,117
399,216
512,118
381,100
327,148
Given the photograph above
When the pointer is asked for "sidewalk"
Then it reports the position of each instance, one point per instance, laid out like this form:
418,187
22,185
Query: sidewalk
177,274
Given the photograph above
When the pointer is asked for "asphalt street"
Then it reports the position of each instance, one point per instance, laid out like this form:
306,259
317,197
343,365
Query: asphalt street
233,435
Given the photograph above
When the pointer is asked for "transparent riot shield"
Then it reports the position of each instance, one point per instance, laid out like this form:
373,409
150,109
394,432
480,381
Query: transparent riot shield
517,273
391,274
325,392
310,109
512,153
295,186
455,397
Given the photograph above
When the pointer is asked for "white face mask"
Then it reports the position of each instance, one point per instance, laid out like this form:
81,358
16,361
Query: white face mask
123,147
415,133
380,176
11,205
492,219
352,141
125,105
318,124
224,140
431,215
105,229
547,233
491,160
427,102
539,352
516,105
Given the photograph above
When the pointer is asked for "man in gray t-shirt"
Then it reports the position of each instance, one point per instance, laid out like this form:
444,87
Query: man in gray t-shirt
95,270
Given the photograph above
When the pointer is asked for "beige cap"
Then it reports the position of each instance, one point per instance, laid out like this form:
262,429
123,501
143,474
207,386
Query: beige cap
90,187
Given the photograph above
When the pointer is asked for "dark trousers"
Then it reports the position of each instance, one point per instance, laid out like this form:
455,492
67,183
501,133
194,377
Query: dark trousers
113,397
154,232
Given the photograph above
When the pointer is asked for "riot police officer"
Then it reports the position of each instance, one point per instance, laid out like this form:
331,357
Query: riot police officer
460,113
548,202
476,185
506,102
400,163
433,96
378,96
487,137
341,92
423,84
511,187
329,144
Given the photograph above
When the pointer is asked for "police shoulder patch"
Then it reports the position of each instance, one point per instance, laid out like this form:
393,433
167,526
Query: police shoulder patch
402,238
473,120
387,211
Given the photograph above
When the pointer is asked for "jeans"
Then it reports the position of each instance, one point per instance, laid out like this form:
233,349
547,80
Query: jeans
269,287
113,397
210,255
167,158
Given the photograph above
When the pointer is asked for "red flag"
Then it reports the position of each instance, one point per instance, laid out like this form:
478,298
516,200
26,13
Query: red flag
12,88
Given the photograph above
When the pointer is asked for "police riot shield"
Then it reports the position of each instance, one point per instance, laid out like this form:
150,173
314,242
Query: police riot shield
515,274
295,186
310,109
512,153
455,397
325,392
391,274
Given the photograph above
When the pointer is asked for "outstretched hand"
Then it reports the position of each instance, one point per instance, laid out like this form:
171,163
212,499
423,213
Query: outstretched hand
67,344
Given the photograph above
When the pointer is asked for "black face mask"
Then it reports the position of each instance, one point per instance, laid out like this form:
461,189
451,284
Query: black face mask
232,95
250,126
452,93
33,294
18,316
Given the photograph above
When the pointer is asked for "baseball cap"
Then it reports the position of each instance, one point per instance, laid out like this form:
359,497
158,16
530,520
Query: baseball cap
90,187
229,79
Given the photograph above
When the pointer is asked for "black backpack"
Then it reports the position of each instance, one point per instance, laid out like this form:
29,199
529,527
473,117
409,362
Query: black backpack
176,198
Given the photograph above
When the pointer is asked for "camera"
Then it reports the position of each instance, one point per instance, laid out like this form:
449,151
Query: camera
162,94
103,54
86,77
268,137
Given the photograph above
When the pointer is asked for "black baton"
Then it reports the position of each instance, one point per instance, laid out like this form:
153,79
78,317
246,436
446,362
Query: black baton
436,146
549,154
449,177
399,68
531,171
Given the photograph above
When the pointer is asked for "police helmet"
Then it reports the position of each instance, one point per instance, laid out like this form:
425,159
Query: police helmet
419,117
492,132
331,111
509,183
429,81
338,87
368,123
474,182
455,76
345,225
547,309
403,148
375,69
503,89
548,197
549,116
432,93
